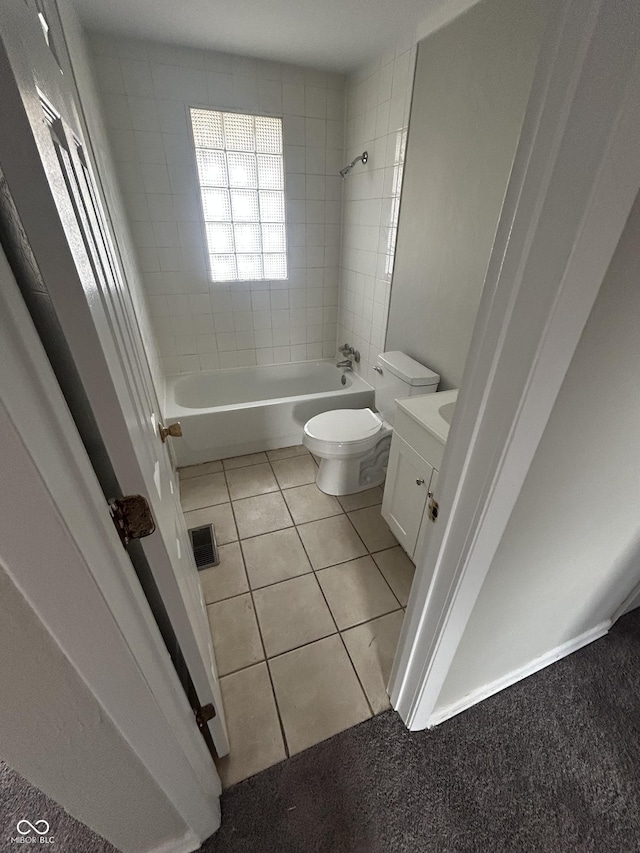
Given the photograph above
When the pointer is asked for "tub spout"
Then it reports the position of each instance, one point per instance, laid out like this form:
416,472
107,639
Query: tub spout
346,363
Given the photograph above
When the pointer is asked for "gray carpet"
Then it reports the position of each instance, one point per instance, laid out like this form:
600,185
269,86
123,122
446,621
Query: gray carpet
19,800
550,765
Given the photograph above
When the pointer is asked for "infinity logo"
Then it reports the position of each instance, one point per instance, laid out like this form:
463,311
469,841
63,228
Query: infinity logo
32,827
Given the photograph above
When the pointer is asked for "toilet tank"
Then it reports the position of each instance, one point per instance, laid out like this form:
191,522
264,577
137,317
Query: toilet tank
396,375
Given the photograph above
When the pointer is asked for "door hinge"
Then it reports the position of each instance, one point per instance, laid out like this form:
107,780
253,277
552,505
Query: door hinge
204,714
433,507
132,517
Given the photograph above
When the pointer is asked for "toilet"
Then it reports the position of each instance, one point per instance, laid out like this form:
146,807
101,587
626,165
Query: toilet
353,444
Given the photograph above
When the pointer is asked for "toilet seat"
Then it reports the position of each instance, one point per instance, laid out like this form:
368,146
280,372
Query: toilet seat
344,427
344,433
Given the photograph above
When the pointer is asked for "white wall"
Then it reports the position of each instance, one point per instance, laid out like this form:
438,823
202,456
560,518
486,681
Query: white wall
378,101
146,89
76,753
570,555
471,88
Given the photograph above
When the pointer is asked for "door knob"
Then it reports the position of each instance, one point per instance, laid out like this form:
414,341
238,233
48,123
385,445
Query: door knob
173,431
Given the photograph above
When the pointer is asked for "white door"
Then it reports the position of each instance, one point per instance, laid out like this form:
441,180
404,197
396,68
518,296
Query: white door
46,166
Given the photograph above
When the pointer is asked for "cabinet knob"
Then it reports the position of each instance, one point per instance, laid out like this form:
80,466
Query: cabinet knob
420,481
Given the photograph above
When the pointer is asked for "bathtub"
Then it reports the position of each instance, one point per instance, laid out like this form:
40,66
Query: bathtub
248,409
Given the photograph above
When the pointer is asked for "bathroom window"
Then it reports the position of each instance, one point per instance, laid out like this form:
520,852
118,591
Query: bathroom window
241,175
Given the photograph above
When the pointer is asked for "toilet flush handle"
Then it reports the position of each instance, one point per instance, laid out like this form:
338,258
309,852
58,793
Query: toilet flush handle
377,369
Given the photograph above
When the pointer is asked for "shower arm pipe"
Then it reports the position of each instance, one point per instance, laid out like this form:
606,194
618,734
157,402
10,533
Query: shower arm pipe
363,157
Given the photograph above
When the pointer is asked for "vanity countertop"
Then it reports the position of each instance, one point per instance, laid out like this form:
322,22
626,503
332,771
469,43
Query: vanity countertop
431,411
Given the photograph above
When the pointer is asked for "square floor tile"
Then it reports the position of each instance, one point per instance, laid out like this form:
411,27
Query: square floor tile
227,579
331,541
287,452
372,648
261,514
255,737
296,471
243,461
308,503
234,632
220,516
318,693
200,470
291,614
359,500
252,480
398,571
274,557
356,592
199,492
373,529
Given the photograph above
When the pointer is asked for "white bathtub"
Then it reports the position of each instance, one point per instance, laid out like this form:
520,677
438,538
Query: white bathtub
244,410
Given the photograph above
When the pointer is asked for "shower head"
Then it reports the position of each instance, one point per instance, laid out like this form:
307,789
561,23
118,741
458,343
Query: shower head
363,157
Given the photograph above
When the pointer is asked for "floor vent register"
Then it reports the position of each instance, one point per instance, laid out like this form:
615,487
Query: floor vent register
205,548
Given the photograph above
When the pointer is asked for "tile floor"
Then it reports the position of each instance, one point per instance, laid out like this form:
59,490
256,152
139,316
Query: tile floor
305,607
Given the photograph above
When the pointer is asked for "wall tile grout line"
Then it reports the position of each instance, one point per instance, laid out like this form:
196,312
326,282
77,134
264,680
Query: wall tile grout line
153,157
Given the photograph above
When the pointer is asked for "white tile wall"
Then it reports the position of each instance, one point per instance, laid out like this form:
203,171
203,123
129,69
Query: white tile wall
377,116
146,89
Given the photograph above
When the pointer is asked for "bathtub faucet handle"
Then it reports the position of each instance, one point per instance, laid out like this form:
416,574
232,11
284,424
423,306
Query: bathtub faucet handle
171,431
348,350
347,363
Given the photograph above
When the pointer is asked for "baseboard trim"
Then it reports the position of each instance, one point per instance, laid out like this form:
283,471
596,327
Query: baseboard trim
555,654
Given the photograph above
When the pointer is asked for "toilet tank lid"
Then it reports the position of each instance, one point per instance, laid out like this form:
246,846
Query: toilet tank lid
407,369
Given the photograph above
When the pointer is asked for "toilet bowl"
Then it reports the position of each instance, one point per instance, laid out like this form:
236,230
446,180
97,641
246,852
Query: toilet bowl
353,444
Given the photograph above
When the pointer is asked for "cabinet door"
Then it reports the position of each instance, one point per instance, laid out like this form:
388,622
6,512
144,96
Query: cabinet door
405,493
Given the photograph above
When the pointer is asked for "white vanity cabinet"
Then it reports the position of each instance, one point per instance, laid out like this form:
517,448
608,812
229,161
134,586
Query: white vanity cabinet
420,433
405,492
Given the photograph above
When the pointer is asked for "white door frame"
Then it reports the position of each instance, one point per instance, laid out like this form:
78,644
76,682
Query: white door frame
575,176
86,593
